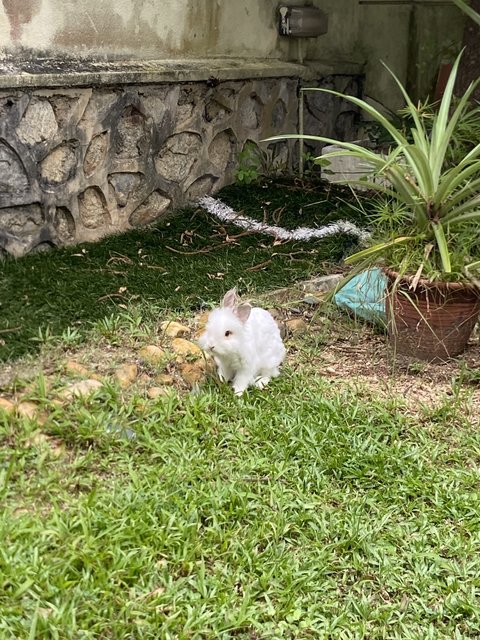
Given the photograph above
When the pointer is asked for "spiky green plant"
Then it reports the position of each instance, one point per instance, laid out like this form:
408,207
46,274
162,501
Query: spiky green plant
440,202
471,13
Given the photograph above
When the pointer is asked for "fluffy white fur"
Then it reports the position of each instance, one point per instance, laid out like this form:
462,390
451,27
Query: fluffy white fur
245,343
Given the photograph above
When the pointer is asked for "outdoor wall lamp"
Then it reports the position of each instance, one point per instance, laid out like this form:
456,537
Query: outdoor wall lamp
302,22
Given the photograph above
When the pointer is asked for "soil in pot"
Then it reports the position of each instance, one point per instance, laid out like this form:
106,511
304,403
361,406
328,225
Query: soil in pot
433,322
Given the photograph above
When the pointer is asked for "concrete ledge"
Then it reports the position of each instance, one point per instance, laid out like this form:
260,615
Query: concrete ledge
60,73
48,72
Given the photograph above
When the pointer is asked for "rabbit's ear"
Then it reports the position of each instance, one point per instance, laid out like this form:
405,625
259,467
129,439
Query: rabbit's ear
243,311
230,299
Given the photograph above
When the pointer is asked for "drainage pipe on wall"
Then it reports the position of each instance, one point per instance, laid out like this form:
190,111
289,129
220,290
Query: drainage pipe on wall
300,131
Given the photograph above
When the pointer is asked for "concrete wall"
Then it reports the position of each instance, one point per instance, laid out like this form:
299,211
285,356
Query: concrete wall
149,28
371,33
358,33
386,31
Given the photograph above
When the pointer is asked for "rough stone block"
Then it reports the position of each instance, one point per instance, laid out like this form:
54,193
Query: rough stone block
60,165
124,186
79,163
96,153
152,209
13,179
132,134
93,209
38,123
178,156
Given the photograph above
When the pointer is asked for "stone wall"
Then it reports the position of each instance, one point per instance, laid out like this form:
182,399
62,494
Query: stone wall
329,116
79,164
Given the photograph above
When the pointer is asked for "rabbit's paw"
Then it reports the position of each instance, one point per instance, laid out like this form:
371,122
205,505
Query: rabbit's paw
262,382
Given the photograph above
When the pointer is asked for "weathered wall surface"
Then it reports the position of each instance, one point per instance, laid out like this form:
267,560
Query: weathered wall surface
360,33
387,29
380,30
78,164
148,134
151,28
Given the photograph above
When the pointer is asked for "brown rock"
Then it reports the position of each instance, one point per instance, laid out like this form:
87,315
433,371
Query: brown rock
30,410
296,326
174,329
198,333
193,372
151,354
155,392
141,406
76,369
126,374
81,388
275,313
6,405
164,379
38,438
46,383
201,319
58,450
186,348
41,440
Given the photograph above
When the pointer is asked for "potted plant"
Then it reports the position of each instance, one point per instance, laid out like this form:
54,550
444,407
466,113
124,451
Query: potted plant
426,232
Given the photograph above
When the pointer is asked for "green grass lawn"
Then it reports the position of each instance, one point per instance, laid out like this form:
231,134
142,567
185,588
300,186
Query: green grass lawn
313,509
182,263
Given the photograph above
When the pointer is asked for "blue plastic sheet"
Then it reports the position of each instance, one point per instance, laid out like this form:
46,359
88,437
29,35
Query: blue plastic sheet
364,296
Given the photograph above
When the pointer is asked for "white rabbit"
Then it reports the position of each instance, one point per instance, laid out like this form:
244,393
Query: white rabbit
245,343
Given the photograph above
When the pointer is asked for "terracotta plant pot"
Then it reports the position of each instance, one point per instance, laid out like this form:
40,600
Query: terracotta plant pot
435,321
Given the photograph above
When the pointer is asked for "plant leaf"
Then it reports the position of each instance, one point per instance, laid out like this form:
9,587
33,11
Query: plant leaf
445,123
376,249
457,213
454,178
442,244
471,13
396,134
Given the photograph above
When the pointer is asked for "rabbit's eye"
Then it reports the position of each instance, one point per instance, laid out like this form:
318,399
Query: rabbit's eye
228,333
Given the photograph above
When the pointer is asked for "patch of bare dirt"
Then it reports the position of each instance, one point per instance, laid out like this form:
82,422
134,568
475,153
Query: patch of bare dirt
363,357
328,344
356,353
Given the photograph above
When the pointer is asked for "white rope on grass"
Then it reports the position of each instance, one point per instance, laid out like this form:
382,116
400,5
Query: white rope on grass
224,213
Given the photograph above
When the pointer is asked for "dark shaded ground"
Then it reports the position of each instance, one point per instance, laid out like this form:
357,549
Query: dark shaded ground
185,262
